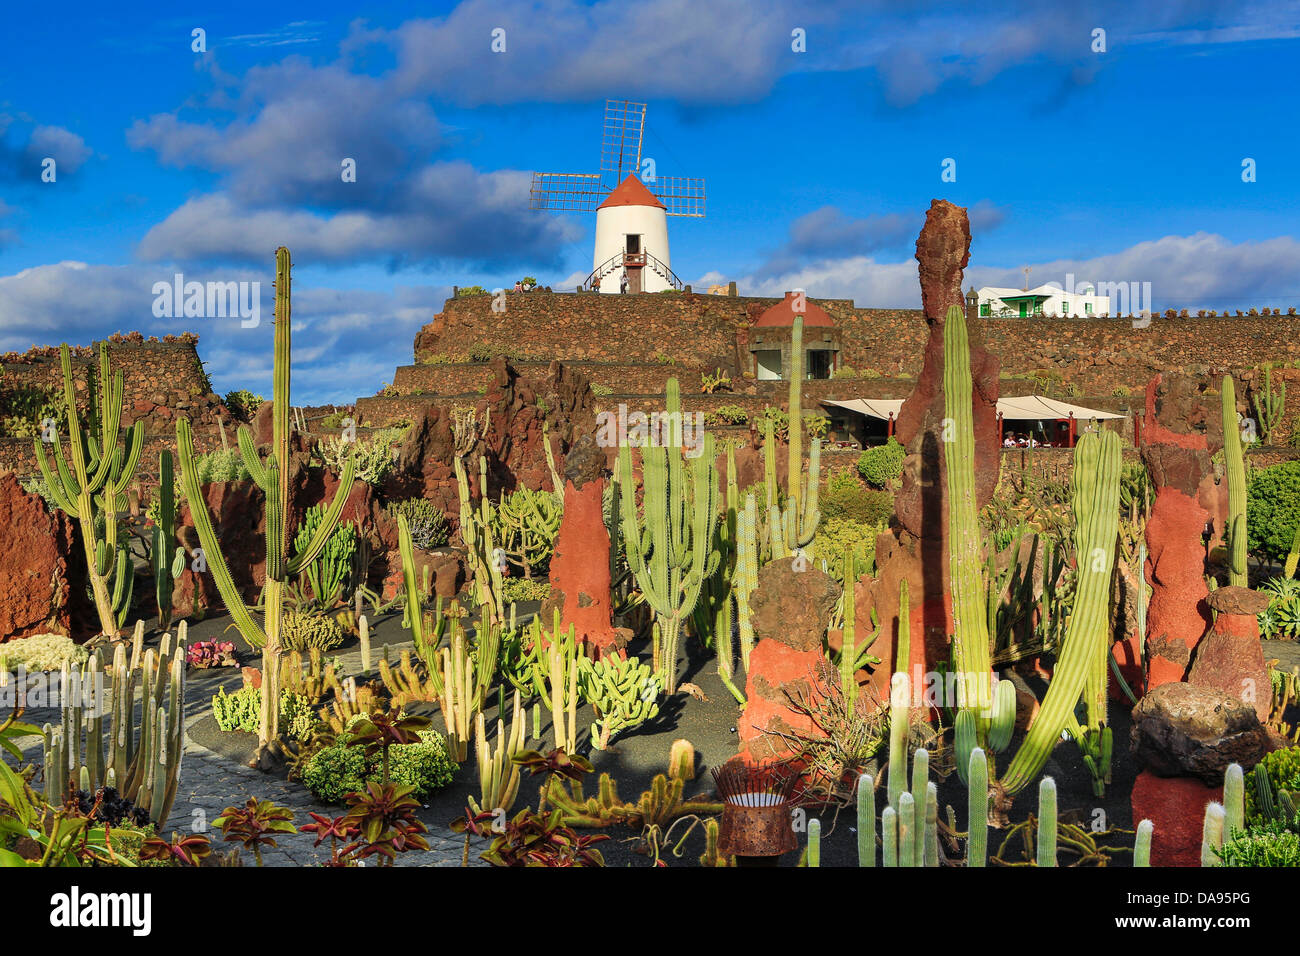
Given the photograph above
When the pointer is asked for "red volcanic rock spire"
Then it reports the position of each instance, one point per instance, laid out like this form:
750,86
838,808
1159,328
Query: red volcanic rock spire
1179,433
580,566
916,550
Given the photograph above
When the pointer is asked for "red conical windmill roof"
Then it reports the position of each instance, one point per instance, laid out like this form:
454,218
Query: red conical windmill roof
631,192
782,315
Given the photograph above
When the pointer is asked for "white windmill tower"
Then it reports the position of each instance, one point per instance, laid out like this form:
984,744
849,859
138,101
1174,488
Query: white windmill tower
631,202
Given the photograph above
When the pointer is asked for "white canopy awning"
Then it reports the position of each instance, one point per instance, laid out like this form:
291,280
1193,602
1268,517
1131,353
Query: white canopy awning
1018,408
872,407
1036,407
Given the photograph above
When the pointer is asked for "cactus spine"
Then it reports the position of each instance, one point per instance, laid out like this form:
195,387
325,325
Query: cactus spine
94,488
1047,822
670,549
1235,466
969,598
1095,494
866,821
272,476
977,807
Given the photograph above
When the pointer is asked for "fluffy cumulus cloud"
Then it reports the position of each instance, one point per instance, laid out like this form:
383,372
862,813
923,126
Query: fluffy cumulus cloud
828,233
281,158
1201,271
25,145
346,342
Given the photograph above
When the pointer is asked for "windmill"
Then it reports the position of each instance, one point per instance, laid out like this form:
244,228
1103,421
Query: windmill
631,202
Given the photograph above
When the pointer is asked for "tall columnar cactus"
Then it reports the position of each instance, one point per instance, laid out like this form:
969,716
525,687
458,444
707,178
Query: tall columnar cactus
889,836
425,643
900,721
168,557
93,489
272,476
814,842
977,808
1234,800
480,546
712,618
795,525
849,645
1212,834
1235,466
1095,493
141,759
969,608
1047,822
746,577
1269,406
866,820
670,548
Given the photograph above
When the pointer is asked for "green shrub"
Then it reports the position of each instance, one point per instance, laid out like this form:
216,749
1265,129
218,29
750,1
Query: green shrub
780,422
429,528
726,415
243,404
1283,770
42,652
479,352
1272,509
881,466
1270,844
224,464
600,391
470,290
844,371
241,711
835,535
845,496
302,632
337,770
524,589
374,455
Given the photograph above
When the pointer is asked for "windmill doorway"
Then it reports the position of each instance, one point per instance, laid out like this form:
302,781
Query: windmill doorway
633,261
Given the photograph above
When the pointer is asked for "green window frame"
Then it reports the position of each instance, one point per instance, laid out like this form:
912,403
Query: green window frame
984,310
1087,307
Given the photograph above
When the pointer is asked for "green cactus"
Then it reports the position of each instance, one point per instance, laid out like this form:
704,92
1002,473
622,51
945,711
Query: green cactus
977,808
889,836
1235,466
866,820
143,758
814,842
1003,724
920,779
907,832
1269,405
1234,799
1095,493
624,692
1212,833
899,724
480,545
1047,822
746,577
168,557
712,617
272,476
329,575
93,489
964,742
670,547
931,843
525,524
969,597
1142,844
849,646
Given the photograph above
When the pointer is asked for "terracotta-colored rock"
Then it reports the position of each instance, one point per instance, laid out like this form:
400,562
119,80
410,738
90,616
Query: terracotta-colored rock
790,609
238,512
1230,657
1176,808
1184,730
252,676
579,570
42,568
919,550
1178,436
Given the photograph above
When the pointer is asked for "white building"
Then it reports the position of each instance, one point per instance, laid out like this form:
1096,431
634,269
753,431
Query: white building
631,240
1048,299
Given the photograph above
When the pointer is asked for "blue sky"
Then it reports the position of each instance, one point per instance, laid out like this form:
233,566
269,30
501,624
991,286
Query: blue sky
1122,165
